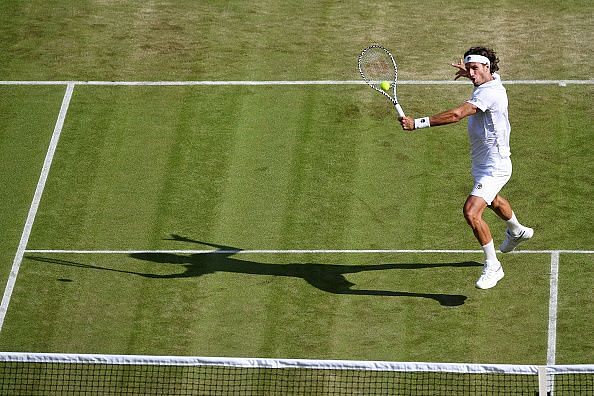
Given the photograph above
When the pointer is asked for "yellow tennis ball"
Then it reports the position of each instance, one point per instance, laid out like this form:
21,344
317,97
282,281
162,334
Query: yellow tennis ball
385,85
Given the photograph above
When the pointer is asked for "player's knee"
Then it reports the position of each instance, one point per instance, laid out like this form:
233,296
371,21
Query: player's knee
471,215
499,202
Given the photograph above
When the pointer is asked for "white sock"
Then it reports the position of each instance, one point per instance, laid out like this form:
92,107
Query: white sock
513,225
489,250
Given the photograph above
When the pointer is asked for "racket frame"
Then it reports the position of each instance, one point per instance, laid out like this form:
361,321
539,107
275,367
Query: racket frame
375,84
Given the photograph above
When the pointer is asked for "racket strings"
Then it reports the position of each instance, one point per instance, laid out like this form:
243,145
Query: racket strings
376,65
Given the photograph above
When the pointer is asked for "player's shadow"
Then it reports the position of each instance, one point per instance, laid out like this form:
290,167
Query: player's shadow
326,277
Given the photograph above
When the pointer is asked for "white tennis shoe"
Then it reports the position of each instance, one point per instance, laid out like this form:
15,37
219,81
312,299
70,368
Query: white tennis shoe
511,241
492,273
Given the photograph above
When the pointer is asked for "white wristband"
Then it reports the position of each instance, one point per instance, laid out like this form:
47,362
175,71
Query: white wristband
422,123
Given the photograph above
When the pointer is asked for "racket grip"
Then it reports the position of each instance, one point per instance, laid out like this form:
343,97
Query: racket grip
399,110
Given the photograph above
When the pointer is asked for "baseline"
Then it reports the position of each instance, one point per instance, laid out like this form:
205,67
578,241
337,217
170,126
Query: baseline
561,83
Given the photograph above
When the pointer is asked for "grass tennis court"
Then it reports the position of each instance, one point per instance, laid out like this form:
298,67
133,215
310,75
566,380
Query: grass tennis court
137,165
167,170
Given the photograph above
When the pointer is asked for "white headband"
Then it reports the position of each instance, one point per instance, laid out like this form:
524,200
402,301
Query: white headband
477,58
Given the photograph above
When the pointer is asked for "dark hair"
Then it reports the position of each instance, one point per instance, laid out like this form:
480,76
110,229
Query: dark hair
489,53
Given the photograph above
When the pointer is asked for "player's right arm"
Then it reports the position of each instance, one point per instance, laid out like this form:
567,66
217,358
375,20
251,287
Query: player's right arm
453,115
447,117
450,116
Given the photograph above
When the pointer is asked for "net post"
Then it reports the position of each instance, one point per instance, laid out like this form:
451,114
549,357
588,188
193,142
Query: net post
542,381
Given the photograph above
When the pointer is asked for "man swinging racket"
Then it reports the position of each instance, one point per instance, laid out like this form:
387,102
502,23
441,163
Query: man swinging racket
488,132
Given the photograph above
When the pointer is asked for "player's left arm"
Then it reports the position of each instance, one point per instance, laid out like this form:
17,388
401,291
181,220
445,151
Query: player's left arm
447,117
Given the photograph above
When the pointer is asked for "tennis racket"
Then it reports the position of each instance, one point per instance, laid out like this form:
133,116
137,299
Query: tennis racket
377,65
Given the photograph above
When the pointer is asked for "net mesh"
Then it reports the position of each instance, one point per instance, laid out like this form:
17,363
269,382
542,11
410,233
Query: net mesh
570,383
89,375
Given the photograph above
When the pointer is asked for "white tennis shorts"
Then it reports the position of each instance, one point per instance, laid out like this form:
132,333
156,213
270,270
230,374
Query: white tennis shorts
488,184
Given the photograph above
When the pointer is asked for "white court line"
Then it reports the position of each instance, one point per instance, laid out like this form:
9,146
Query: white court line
16,264
247,251
294,251
552,338
289,82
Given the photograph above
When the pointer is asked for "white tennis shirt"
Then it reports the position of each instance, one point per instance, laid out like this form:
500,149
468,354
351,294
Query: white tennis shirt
489,129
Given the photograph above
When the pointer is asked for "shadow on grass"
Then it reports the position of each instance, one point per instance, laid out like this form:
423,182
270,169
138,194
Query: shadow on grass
326,277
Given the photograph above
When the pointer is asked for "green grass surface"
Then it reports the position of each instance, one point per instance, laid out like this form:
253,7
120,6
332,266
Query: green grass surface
28,118
287,167
576,319
233,166
188,40
138,164
378,307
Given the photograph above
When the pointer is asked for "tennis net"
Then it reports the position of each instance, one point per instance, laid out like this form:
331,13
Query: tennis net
76,374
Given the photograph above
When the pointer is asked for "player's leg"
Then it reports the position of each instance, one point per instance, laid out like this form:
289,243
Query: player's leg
473,213
515,232
502,207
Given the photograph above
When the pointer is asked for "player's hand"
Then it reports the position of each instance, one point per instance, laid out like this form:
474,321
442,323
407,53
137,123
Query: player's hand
462,72
408,123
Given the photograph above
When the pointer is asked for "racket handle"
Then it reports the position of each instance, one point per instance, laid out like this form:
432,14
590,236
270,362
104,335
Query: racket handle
399,110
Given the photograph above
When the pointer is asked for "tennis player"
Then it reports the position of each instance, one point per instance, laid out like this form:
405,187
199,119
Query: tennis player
488,132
